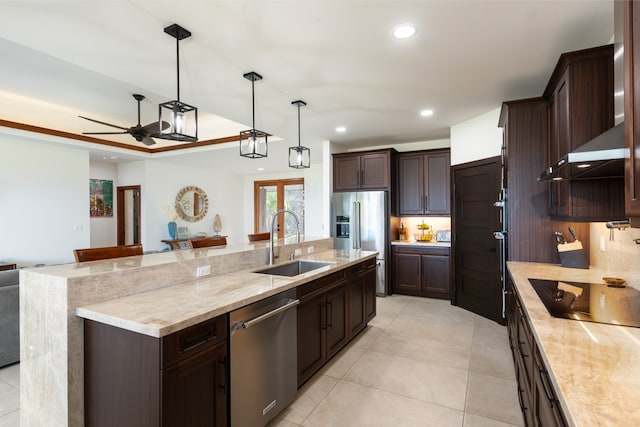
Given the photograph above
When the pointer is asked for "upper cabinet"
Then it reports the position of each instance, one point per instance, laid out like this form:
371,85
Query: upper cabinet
424,183
580,99
631,15
370,170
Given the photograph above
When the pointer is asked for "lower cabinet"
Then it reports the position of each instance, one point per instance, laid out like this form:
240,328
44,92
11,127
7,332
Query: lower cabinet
137,380
333,310
422,271
538,400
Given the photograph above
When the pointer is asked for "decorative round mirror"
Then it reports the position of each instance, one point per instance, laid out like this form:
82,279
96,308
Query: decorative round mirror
192,204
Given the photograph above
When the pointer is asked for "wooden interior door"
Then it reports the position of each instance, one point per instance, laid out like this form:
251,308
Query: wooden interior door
477,284
128,215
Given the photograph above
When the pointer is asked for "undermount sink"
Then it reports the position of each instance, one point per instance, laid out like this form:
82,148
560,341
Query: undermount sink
293,268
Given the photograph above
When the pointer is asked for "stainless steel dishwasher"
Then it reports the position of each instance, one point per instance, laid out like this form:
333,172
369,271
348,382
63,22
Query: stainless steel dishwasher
264,362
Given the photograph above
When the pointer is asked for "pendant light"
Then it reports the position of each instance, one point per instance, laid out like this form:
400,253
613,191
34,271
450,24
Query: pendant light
299,157
253,143
182,118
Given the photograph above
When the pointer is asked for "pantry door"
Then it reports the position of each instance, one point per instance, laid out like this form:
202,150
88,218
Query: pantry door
274,195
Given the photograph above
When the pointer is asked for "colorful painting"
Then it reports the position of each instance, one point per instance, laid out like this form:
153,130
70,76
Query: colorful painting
100,197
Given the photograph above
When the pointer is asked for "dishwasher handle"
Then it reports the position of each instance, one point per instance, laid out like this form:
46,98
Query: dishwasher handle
248,323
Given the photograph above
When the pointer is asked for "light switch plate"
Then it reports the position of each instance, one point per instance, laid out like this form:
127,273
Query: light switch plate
310,249
297,251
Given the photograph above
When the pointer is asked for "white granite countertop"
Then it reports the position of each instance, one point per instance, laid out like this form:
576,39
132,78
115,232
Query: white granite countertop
414,243
169,309
595,368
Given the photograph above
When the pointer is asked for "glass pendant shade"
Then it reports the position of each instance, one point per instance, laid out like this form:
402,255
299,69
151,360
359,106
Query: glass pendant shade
177,121
299,157
182,119
253,142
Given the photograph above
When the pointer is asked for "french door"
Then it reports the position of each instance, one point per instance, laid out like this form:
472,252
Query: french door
272,196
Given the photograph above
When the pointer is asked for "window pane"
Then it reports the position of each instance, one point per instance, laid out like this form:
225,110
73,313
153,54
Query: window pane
294,201
268,206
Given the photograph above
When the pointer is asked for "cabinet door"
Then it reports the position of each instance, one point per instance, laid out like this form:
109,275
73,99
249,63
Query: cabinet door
369,278
563,188
374,173
194,391
435,276
632,107
336,319
311,336
357,316
437,184
411,192
346,173
406,273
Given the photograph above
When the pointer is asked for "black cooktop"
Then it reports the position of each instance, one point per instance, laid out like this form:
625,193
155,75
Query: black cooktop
591,302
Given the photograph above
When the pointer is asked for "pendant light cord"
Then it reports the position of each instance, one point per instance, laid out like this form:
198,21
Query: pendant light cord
253,105
298,125
178,65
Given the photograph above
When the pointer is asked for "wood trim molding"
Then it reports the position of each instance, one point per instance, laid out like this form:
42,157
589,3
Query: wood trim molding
85,138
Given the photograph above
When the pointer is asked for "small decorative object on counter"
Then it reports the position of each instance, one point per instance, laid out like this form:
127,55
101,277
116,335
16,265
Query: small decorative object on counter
426,234
173,230
402,232
217,225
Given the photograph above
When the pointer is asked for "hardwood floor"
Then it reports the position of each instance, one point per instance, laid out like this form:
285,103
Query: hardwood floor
420,362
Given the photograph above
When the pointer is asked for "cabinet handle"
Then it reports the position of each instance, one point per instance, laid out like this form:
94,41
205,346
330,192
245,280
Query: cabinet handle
361,177
330,314
426,204
223,364
520,349
323,316
547,392
522,407
187,344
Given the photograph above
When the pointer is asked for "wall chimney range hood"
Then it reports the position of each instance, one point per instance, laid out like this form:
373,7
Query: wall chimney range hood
602,157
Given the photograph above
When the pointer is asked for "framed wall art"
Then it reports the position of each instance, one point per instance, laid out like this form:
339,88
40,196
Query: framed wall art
100,198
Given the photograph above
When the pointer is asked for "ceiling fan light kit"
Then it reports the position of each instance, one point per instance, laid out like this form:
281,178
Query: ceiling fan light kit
253,142
299,157
182,117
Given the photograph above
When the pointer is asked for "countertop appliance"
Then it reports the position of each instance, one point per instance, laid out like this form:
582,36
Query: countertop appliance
360,220
263,359
590,302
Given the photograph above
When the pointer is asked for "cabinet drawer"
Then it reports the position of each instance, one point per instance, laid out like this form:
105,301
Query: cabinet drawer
363,266
192,340
320,284
426,250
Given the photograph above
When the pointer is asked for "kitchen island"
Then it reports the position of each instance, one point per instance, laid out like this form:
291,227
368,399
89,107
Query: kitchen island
52,357
594,368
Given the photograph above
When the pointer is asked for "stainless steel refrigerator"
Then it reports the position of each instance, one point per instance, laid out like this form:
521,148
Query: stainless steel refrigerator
360,220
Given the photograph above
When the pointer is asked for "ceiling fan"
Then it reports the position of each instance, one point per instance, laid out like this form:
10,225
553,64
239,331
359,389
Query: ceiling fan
140,133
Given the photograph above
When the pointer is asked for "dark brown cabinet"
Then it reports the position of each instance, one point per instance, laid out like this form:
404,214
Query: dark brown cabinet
580,97
538,399
137,380
631,16
422,271
424,183
369,170
333,310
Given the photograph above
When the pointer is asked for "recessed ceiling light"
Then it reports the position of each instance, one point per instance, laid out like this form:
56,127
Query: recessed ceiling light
426,113
261,169
341,129
404,31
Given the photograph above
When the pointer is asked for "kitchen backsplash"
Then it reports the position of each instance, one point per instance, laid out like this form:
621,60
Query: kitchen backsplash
620,255
436,222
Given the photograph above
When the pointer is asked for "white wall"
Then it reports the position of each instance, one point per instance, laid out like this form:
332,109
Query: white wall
477,138
44,201
162,182
103,229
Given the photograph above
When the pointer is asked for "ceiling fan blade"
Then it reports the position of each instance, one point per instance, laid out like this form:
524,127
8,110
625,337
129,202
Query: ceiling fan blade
103,133
148,141
153,127
102,123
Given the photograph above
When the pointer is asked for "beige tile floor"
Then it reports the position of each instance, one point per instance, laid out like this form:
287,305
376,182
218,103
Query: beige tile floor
420,362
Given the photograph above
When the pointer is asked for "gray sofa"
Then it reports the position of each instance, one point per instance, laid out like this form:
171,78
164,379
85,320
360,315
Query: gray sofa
9,317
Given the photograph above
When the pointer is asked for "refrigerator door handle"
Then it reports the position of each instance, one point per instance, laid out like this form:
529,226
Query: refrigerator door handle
357,242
